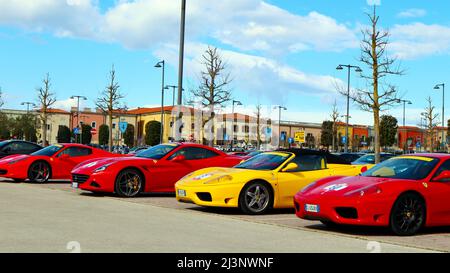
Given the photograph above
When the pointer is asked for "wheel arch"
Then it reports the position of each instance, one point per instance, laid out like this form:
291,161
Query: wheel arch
415,192
270,187
131,168
46,162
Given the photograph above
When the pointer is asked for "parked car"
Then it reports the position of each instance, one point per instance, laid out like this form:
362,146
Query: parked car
156,169
265,181
52,162
137,149
370,159
13,147
405,193
350,157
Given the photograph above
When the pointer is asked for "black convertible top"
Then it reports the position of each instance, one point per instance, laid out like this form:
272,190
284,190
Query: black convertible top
331,158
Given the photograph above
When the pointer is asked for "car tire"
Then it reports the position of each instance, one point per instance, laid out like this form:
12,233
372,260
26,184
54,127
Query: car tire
17,180
129,183
39,172
408,214
256,198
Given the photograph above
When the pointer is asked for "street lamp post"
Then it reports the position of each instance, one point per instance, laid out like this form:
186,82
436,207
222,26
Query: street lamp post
437,87
28,105
357,69
162,65
279,122
235,102
78,111
404,117
181,52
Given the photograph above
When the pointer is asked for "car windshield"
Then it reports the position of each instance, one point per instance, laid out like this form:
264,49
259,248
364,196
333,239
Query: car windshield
157,152
48,151
264,161
370,159
411,168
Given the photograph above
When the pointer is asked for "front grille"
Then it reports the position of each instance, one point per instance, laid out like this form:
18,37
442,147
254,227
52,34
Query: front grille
79,178
204,196
349,213
3,172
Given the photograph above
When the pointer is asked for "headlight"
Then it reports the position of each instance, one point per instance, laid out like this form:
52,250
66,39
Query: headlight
15,161
221,179
364,191
102,168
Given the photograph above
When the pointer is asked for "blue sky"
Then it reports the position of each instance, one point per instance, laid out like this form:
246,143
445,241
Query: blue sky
278,52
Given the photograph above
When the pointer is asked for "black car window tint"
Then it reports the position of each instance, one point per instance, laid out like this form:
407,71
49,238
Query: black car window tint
307,163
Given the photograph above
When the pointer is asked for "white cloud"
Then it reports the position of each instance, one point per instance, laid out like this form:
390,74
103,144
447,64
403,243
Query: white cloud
243,24
418,40
412,13
258,77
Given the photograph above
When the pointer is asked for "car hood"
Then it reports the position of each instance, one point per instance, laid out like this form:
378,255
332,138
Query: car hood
10,158
344,185
93,164
218,175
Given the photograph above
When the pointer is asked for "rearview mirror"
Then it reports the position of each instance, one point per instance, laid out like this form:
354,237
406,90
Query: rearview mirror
179,158
443,177
290,167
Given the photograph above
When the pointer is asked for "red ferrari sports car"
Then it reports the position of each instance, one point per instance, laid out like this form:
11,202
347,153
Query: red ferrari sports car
156,169
52,162
404,193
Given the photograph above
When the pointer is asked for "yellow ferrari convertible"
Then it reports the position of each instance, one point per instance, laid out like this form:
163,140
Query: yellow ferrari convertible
268,180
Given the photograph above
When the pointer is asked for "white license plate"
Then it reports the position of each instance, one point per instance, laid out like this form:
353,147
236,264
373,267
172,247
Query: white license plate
75,185
181,193
312,208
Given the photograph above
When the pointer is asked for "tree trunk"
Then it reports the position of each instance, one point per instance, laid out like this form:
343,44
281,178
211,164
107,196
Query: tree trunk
44,128
110,140
377,146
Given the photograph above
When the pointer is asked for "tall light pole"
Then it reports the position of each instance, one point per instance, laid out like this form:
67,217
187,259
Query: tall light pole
279,121
181,54
404,118
28,105
437,87
78,97
162,64
357,69
235,102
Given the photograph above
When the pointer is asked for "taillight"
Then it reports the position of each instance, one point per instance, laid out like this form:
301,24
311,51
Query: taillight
363,169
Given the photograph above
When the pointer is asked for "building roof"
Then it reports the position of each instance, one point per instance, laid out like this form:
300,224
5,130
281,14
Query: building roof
147,110
56,111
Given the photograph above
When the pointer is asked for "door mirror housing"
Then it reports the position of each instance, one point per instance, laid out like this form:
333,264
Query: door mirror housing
179,158
64,156
443,177
290,167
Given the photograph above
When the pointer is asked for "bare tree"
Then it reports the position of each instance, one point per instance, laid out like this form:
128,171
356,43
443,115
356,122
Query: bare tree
382,95
430,123
109,101
334,118
214,81
46,99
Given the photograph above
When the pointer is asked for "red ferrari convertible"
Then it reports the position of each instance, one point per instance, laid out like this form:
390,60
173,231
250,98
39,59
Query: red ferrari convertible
156,169
404,193
52,162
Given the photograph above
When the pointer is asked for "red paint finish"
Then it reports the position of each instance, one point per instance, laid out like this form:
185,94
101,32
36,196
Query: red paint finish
17,166
374,205
160,175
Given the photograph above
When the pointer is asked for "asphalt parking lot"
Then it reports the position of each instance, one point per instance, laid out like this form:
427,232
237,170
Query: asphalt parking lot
41,217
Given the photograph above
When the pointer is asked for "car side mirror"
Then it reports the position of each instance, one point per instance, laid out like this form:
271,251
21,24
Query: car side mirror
179,158
64,156
443,177
290,167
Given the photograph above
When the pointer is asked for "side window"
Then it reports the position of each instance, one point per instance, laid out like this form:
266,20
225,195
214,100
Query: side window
28,147
76,151
194,153
444,167
308,163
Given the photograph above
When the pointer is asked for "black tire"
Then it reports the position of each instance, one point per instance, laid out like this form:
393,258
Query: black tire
408,214
17,180
39,172
129,183
256,198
